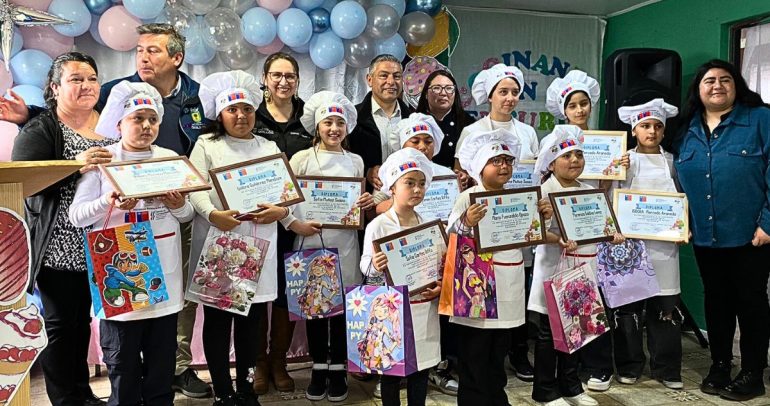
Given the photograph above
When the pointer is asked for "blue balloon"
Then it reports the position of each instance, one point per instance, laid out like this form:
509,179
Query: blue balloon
394,45
30,67
32,95
144,9
398,5
73,10
197,52
94,30
258,26
303,49
348,19
430,7
98,7
307,5
294,27
327,50
328,5
320,19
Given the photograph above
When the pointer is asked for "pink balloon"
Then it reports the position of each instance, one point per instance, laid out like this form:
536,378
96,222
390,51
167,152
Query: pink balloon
6,79
271,48
117,27
46,39
274,6
34,4
8,132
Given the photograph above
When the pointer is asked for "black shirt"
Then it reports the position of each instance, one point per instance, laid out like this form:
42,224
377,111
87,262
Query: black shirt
452,127
290,136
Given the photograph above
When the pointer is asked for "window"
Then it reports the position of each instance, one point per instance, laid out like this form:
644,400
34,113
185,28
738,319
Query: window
750,51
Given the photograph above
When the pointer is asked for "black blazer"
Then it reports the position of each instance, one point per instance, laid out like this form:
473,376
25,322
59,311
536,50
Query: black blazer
365,138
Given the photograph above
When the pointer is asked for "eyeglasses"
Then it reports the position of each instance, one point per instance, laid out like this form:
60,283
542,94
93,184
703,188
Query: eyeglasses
277,76
502,160
450,89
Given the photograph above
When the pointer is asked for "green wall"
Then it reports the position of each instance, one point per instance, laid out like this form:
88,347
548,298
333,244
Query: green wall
698,30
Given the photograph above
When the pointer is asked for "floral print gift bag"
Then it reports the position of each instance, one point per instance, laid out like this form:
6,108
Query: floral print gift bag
227,272
625,273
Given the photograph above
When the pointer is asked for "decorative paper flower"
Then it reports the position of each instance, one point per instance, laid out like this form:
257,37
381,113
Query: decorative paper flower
296,266
357,303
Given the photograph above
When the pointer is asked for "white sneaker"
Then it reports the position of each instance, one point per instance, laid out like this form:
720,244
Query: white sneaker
443,382
377,390
626,380
676,385
557,402
581,400
599,383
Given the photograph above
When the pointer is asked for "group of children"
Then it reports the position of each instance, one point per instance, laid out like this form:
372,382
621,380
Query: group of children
488,152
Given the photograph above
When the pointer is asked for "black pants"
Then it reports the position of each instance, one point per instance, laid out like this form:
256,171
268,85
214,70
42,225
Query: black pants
218,325
556,372
326,340
520,335
664,328
416,389
596,356
481,355
284,244
140,356
66,302
448,339
735,285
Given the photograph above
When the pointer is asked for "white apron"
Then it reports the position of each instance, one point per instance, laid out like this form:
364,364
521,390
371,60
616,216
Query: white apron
425,324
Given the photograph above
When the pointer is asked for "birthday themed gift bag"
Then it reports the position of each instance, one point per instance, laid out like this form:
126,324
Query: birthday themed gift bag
313,283
468,286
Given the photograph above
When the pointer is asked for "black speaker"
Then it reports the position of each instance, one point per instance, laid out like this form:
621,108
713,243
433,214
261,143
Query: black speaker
637,75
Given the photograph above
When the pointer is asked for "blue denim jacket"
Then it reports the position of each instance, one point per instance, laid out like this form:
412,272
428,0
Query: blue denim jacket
726,178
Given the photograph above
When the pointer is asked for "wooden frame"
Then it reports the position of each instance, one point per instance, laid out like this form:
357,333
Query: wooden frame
572,193
150,162
361,181
502,247
394,237
622,135
686,217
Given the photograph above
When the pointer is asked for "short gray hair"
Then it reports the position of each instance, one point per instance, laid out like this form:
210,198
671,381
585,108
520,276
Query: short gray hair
382,58
175,42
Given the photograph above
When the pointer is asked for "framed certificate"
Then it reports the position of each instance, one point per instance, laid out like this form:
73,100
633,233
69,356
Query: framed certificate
267,180
602,151
512,219
154,177
331,201
652,215
523,175
415,256
584,216
439,198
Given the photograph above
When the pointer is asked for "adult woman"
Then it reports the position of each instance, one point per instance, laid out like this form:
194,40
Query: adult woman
64,131
723,149
278,120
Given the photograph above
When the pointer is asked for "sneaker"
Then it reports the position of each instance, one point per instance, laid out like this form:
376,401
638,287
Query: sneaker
673,383
443,381
190,385
717,379
556,402
377,390
316,390
581,400
246,398
599,382
746,386
521,366
626,379
338,383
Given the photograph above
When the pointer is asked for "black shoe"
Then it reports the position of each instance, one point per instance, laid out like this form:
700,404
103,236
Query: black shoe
316,390
746,386
92,400
338,383
246,398
228,400
521,366
190,385
717,379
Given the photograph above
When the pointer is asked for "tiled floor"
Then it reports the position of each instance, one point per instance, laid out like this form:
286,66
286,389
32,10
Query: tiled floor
646,392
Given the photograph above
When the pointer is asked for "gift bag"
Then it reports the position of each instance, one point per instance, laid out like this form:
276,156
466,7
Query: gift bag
313,283
379,333
575,309
625,273
124,269
227,271
468,286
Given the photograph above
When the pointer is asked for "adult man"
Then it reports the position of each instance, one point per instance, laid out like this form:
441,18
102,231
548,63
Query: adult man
378,115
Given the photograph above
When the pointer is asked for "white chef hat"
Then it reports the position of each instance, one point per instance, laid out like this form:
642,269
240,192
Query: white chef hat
487,79
125,98
654,109
479,147
561,88
325,104
223,89
402,162
563,139
418,123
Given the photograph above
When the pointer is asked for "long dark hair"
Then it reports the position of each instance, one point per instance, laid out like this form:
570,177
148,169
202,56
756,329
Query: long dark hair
54,73
457,108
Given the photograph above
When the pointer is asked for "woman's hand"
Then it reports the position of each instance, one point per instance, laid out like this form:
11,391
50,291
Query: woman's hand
474,214
432,293
122,204
270,214
92,157
760,237
305,229
618,238
544,207
380,261
173,200
13,108
224,219
365,201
